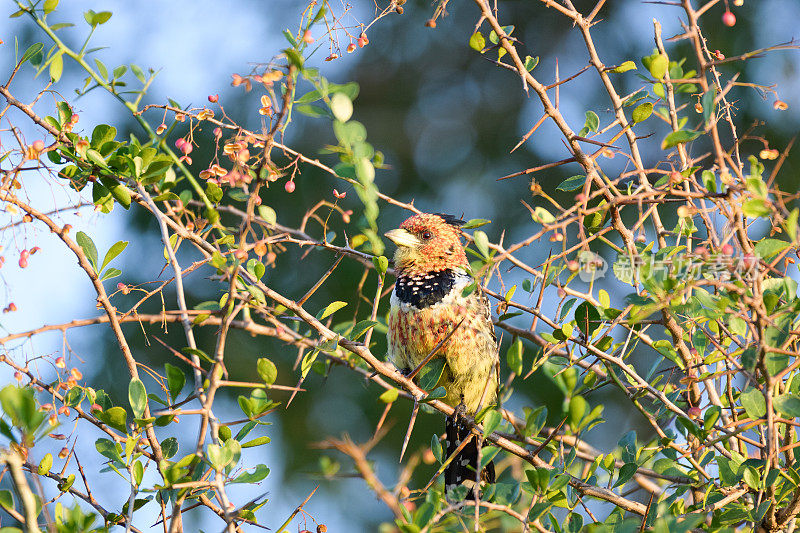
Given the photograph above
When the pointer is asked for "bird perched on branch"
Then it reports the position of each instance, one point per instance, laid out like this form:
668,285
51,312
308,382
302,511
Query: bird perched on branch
433,317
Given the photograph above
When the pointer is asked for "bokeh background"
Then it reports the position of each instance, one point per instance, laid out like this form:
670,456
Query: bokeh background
445,117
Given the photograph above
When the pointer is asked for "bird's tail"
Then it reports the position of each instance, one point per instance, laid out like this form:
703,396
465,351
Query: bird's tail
464,465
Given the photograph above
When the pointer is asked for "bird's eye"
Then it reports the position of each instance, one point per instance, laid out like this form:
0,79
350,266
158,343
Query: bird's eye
426,235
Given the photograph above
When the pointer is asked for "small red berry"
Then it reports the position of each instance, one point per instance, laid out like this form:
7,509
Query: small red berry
179,143
60,363
431,23
289,186
213,98
351,48
727,249
12,307
729,19
38,146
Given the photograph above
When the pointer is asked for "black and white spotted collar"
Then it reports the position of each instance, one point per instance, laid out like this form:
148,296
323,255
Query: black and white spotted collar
428,289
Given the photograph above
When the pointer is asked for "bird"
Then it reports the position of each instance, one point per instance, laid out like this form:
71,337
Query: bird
428,303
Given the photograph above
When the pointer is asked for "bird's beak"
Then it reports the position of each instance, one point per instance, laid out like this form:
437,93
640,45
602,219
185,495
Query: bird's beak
402,237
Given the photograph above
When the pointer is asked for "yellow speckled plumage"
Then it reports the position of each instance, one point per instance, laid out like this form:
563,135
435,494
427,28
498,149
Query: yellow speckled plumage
427,304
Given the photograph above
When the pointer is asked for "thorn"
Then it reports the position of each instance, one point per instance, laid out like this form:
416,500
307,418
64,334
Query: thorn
414,413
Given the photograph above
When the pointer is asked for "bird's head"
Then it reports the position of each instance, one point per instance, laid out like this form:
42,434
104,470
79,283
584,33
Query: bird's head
428,243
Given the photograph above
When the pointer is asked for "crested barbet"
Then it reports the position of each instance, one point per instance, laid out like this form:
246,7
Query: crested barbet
428,304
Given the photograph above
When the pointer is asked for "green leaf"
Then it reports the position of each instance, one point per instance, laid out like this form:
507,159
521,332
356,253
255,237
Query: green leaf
626,472
381,264
491,421
176,379
119,71
790,224
110,274
45,464
477,42
258,474
361,328
514,356
166,197
658,65
542,215
169,447
57,67
389,395
95,157
788,405
108,449
268,214
481,242
751,477
677,137
258,441
294,57
476,223
430,374
587,317
642,112
531,62
50,6
624,67
113,252
137,397
332,308
31,51
753,402
116,417
755,208
769,248
138,72
267,370
89,249
572,184
119,191
218,456
592,121
101,69
214,192
341,107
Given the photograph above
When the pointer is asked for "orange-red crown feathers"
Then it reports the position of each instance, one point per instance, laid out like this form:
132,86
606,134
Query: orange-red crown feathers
428,243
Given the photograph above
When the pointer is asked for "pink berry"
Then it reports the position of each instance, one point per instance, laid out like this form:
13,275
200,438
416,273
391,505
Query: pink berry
307,37
179,143
213,98
729,19
289,186
727,249
38,146
23,262
60,363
